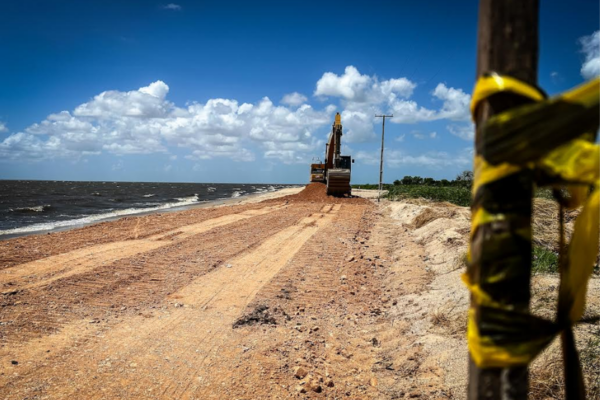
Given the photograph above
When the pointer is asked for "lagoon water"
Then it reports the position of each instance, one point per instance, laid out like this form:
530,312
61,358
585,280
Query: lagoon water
33,206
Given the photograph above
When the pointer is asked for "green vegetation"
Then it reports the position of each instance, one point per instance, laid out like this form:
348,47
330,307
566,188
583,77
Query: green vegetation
453,194
544,261
544,193
456,191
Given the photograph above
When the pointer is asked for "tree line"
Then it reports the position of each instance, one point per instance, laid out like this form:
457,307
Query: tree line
464,179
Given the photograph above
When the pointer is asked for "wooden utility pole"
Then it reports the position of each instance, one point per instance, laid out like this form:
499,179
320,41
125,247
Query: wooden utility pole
507,44
381,160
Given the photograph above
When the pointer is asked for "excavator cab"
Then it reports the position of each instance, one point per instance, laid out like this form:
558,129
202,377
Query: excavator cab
345,162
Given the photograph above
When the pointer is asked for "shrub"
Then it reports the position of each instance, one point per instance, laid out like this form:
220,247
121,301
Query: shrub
453,194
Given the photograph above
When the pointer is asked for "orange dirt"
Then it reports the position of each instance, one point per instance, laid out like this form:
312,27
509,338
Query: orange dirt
317,193
280,299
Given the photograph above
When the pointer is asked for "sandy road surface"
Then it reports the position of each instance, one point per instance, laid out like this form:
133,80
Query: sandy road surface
180,305
300,296
297,296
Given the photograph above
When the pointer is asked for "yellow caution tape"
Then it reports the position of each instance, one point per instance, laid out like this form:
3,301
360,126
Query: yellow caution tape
493,83
577,161
483,351
583,251
487,173
574,164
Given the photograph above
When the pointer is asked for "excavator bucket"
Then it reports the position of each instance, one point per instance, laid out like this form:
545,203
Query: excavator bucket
338,182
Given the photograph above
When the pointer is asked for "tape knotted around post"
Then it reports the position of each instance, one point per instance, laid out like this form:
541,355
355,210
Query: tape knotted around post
554,138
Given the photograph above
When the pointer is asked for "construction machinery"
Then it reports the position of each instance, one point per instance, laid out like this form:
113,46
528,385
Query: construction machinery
335,171
317,171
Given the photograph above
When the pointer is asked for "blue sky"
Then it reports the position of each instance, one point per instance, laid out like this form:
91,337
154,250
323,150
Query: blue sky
199,91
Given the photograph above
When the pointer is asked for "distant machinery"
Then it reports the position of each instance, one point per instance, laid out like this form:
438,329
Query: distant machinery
336,169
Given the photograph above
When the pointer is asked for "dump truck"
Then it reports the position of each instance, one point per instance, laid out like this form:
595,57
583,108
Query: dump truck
336,170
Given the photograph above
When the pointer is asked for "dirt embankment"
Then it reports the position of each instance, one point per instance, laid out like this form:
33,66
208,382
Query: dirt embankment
433,316
317,193
304,296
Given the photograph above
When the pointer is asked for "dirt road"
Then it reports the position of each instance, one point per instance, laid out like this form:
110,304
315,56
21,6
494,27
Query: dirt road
300,296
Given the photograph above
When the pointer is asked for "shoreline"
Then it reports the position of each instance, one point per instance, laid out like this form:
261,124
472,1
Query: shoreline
244,199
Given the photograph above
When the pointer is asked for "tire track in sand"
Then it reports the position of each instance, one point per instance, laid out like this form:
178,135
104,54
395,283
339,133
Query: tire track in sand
166,356
47,270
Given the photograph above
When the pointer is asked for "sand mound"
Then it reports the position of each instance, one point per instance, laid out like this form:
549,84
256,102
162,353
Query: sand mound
443,210
317,193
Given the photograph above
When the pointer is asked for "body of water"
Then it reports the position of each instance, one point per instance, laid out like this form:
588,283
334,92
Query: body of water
33,206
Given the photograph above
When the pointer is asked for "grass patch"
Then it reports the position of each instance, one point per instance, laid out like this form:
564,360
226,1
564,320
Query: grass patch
544,261
449,191
543,193
458,195
590,361
453,323
547,380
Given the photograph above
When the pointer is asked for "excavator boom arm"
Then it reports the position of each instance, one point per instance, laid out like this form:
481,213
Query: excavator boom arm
333,148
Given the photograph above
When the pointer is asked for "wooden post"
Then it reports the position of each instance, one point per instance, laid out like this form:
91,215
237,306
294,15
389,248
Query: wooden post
507,44
381,160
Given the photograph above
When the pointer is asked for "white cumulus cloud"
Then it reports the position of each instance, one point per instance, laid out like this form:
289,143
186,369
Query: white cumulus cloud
350,86
294,99
409,112
455,106
463,131
363,96
143,121
432,160
456,103
148,102
590,46
358,125
354,87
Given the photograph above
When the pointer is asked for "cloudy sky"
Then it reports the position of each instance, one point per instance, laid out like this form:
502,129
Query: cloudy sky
199,91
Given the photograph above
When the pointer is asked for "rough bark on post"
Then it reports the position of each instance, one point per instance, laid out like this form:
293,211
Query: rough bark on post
507,44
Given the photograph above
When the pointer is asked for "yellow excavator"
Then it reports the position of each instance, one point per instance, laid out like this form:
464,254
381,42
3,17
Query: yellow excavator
335,171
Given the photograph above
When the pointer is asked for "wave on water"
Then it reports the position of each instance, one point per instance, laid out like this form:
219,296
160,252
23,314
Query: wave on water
36,209
193,198
39,206
87,219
